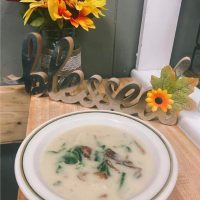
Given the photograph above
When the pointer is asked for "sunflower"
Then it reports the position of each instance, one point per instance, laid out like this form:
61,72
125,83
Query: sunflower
34,4
58,10
159,99
93,6
82,20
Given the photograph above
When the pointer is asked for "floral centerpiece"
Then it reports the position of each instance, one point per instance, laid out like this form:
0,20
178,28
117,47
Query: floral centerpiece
63,12
60,18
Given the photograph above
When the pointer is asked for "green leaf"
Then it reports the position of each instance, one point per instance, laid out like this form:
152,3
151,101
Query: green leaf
60,23
37,22
62,148
185,85
70,158
77,151
127,148
58,169
166,80
181,102
97,156
122,179
103,167
103,146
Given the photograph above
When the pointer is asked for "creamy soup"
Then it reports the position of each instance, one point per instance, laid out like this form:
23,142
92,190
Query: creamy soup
96,163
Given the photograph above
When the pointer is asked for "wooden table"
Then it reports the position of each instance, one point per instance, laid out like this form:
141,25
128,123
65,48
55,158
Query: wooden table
188,155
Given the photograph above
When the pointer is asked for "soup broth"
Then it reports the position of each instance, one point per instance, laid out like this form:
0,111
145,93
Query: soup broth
96,163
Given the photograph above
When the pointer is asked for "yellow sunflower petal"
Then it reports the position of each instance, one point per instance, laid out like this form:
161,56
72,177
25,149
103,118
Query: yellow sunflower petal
171,101
28,14
149,94
169,95
148,100
165,91
154,108
151,104
27,1
169,107
86,23
53,9
36,4
74,23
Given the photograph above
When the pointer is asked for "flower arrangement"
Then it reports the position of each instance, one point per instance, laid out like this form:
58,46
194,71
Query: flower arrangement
63,13
170,93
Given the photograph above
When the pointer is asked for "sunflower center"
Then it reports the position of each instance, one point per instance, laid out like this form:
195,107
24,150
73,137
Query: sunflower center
158,100
75,13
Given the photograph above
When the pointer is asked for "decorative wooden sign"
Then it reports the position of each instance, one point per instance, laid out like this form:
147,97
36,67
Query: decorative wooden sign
71,87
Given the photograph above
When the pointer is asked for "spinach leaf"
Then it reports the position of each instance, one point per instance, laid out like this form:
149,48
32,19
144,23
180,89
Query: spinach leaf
77,151
58,169
103,146
70,158
103,167
128,149
97,156
73,156
62,148
122,179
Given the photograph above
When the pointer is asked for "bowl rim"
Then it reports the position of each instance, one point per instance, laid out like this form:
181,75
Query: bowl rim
32,194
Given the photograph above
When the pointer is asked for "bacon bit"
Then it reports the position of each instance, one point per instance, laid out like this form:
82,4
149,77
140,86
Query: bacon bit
129,164
111,154
112,166
140,148
101,175
86,151
82,175
103,196
138,174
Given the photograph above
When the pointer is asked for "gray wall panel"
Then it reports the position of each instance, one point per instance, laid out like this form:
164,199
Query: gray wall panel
97,45
128,22
188,23
12,34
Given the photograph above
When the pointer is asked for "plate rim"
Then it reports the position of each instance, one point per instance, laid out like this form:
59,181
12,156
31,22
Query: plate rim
29,192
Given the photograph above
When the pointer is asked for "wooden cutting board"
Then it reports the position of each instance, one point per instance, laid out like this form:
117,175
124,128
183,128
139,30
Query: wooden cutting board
13,113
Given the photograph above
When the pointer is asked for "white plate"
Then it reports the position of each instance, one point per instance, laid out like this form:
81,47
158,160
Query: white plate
27,168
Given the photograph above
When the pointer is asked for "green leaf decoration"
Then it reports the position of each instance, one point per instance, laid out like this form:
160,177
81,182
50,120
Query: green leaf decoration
185,85
180,88
166,81
39,21
60,23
